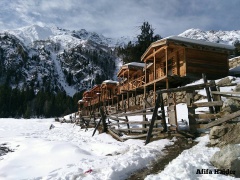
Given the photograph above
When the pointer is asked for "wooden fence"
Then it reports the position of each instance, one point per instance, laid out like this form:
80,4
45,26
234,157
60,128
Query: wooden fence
120,127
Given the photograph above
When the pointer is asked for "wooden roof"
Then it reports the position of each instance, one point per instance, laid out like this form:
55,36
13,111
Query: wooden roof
186,42
133,66
109,83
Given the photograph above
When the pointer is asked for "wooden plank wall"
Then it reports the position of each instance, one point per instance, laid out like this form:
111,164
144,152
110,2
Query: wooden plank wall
210,63
182,64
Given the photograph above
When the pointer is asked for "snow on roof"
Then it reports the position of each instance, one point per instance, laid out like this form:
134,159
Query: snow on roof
109,82
200,42
135,64
80,101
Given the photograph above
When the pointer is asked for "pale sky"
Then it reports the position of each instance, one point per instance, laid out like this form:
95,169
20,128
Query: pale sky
116,18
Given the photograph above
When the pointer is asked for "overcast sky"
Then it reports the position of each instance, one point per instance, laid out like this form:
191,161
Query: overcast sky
116,18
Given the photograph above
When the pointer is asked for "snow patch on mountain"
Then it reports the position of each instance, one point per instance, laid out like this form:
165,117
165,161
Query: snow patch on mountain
67,38
223,37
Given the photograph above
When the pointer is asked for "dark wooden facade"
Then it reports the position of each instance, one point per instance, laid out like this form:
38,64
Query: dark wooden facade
109,91
170,58
131,77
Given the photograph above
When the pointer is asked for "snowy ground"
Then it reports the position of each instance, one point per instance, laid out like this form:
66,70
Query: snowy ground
68,152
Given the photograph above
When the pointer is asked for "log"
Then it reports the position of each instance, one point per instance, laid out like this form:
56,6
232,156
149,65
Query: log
98,124
140,129
211,110
222,120
140,136
205,116
134,114
206,104
147,103
115,135
137,122
187,88
116,118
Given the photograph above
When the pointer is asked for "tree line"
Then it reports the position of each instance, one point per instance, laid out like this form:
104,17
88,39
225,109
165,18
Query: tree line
25,103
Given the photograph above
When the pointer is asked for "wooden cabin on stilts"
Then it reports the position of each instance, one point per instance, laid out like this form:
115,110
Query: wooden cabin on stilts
175,61
131,80
109,93
166,64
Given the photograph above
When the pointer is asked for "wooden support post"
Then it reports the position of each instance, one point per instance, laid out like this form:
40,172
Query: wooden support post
191,111
211,110
128,80
154,93
144,107
167,84
117,103
103,117
154,116
164,123
172,115
216,97
154,65
135,98
127,100
222,120
97,127
122,102
166,59
128,126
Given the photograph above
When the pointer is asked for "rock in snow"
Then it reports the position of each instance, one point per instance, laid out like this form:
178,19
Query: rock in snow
228,159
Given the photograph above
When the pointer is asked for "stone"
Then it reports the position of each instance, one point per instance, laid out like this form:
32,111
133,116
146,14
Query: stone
228,158
149,99
164,95
217,132
197,97
234,105
214,142
224,82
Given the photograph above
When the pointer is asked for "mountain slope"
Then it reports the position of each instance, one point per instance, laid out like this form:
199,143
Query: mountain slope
56,59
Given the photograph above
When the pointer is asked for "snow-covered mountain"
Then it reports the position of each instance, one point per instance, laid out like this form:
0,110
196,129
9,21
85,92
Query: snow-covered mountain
223,37
48,57
55,58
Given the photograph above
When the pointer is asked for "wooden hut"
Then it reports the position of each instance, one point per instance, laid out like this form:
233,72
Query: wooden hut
131,77
131,81
95,94
86,102
171,61
108,91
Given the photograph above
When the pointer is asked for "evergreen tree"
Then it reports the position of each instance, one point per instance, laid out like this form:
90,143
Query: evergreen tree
133,52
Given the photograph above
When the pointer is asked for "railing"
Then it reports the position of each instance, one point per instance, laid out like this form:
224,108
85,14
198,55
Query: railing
131,85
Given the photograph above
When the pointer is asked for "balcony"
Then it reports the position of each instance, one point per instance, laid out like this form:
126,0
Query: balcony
133,84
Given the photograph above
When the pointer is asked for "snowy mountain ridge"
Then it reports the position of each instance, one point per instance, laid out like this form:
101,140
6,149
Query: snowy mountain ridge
222,37
60,59
48,57
67,38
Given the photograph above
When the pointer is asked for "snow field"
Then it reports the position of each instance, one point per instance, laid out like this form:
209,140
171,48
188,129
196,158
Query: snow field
67,152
